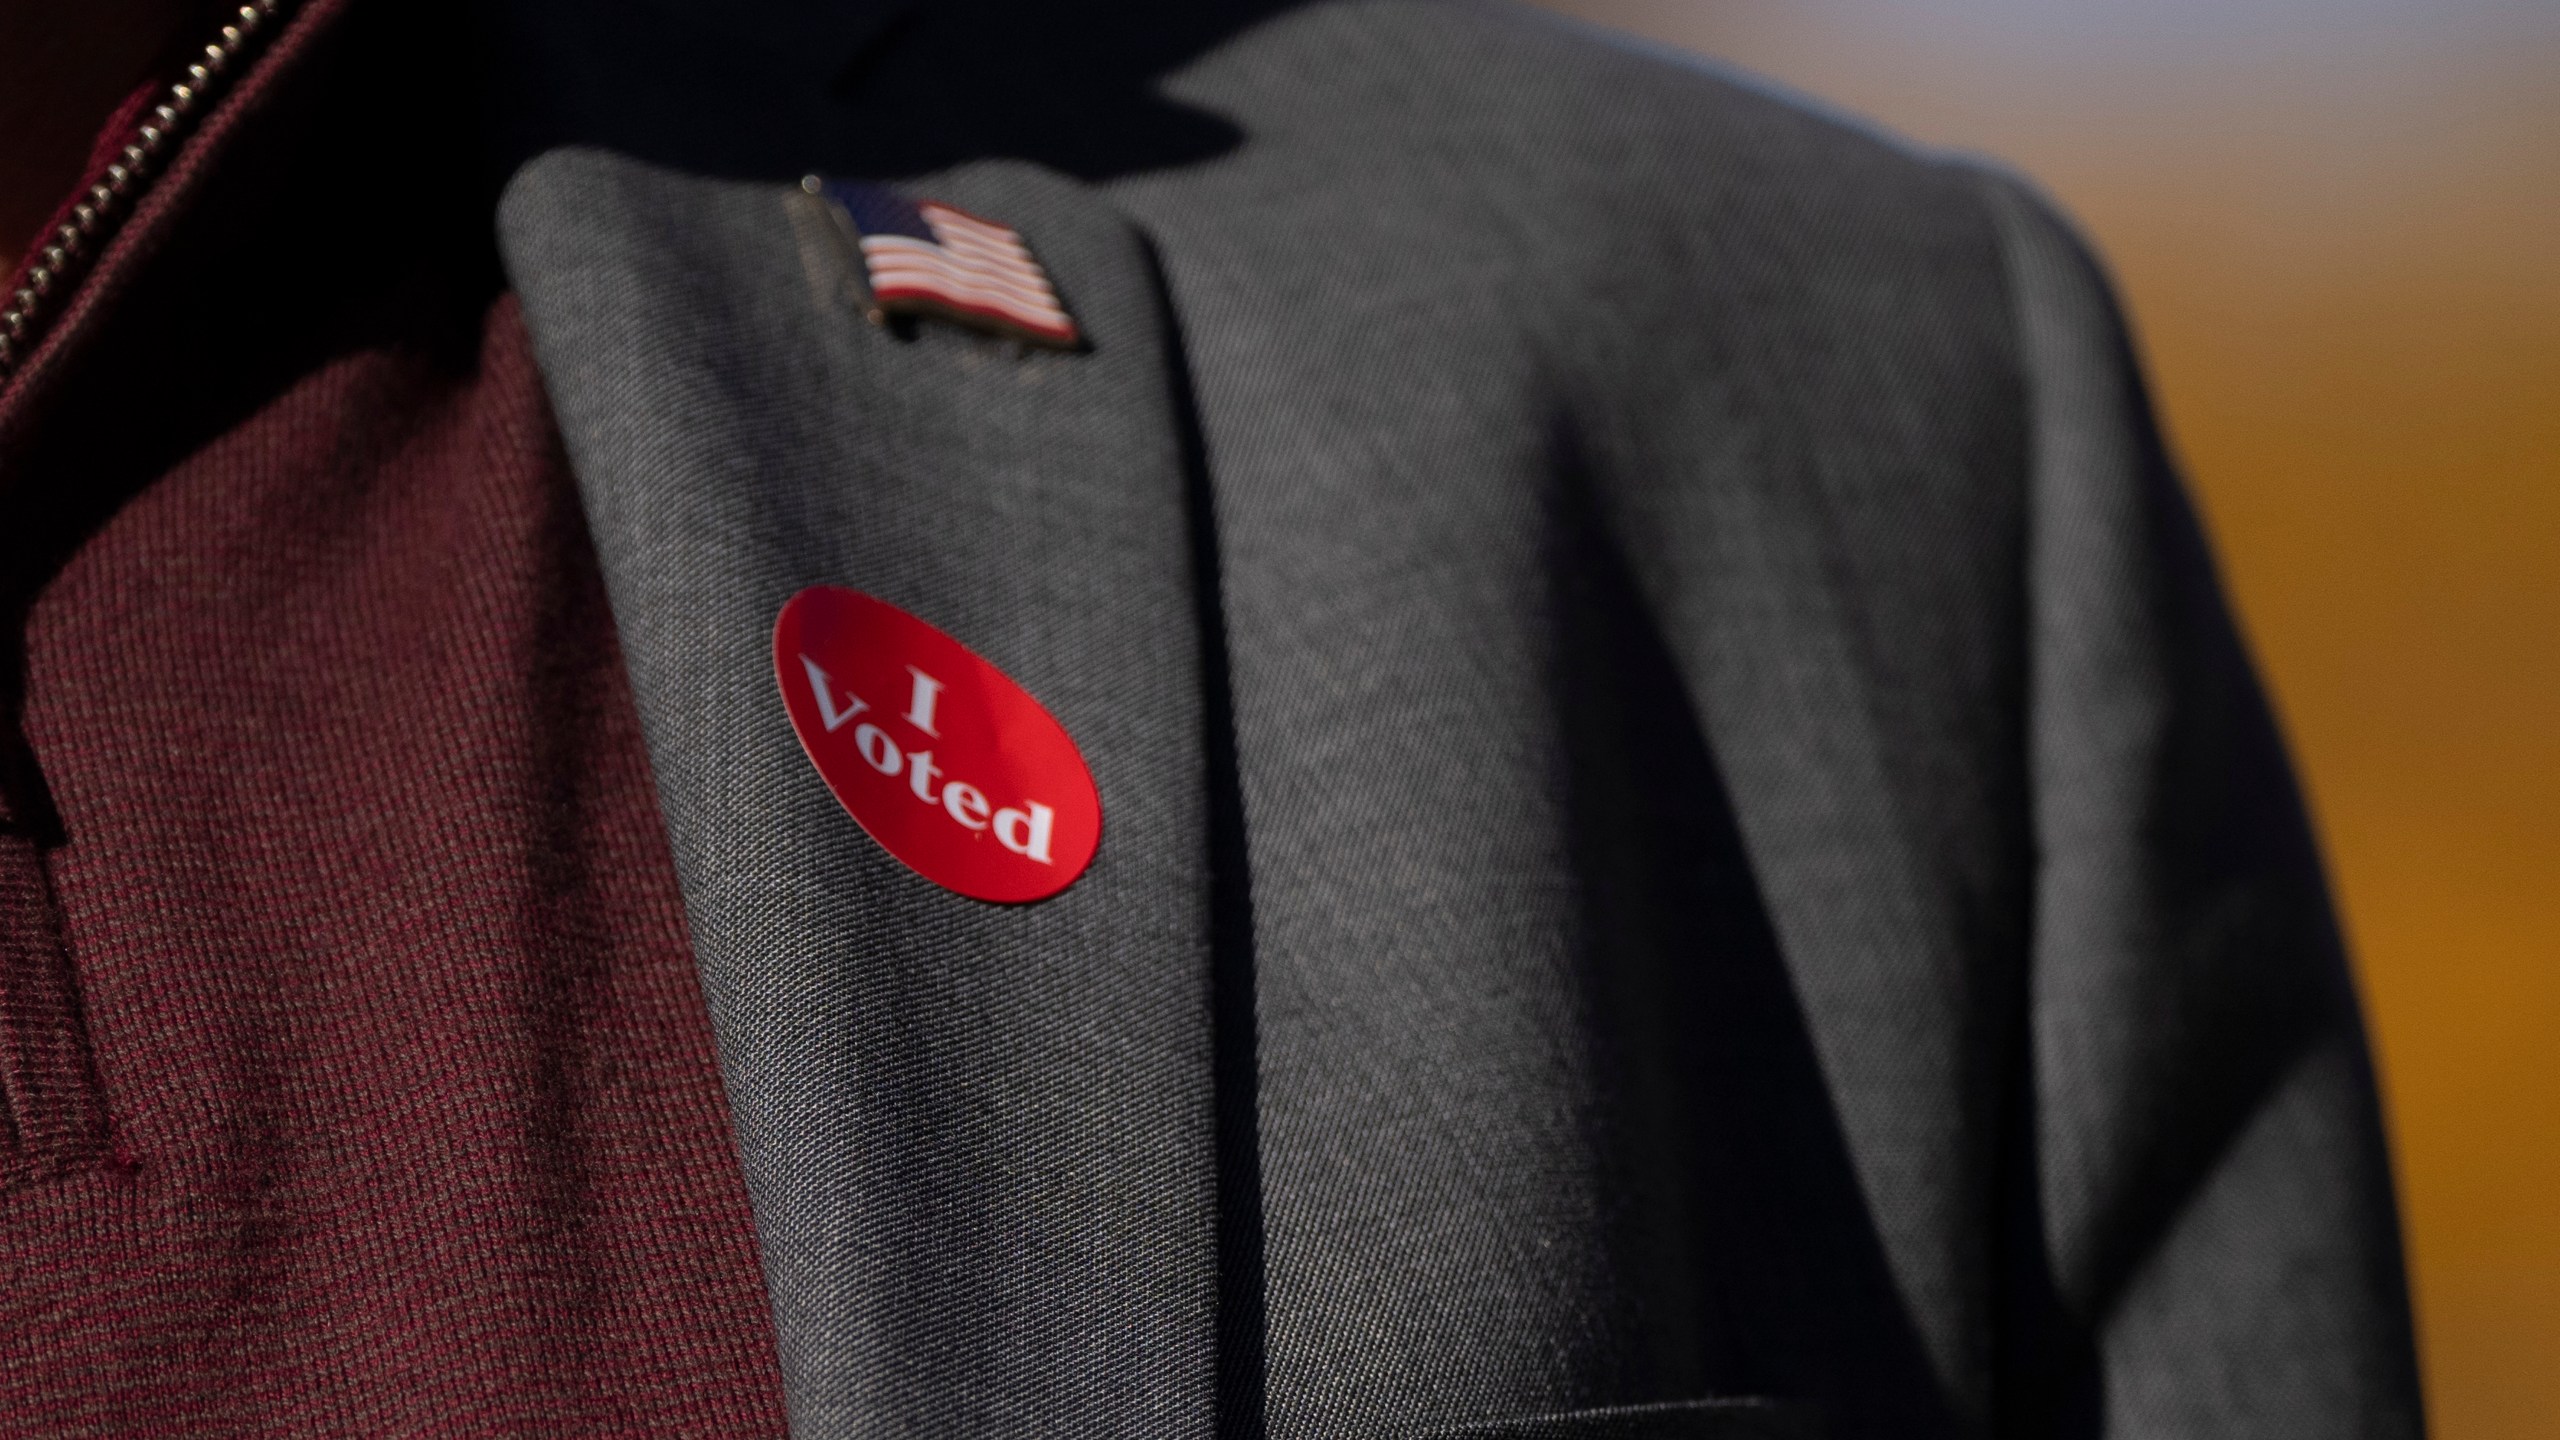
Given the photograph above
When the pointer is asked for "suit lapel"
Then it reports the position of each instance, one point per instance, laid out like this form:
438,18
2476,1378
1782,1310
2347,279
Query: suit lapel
978,1138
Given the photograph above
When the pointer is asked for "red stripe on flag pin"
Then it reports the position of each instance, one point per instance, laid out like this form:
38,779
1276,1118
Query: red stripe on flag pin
923,257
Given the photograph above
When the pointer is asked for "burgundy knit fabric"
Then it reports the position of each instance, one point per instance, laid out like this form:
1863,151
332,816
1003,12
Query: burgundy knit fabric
356,1073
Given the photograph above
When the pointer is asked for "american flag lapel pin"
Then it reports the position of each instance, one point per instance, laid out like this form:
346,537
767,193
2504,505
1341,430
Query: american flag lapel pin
922,257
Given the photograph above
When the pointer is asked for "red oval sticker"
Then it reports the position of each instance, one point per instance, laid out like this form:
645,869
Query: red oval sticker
947,763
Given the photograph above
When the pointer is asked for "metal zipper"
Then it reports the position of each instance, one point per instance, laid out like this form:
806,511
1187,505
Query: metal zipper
67,252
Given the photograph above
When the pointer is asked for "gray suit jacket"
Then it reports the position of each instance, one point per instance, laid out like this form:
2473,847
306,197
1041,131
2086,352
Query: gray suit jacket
1691,850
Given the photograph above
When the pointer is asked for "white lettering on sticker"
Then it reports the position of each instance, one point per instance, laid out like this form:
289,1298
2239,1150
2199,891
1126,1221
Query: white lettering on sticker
824,688
965,803
920,704
920,773
879,749
1026,834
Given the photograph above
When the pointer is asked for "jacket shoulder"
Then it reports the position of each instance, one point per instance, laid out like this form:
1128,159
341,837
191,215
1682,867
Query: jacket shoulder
1441,98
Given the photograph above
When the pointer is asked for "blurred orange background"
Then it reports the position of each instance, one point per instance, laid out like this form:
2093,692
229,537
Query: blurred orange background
2337,226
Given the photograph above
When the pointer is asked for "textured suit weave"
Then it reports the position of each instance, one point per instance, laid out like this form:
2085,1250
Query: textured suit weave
1767,876
979,1137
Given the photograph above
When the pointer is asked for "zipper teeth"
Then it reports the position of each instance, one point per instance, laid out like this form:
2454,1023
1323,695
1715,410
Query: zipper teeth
63,255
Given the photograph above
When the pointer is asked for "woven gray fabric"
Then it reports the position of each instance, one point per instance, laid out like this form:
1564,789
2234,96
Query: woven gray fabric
1768,873
1708,485
977,1136
2214,1185
1692,1420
